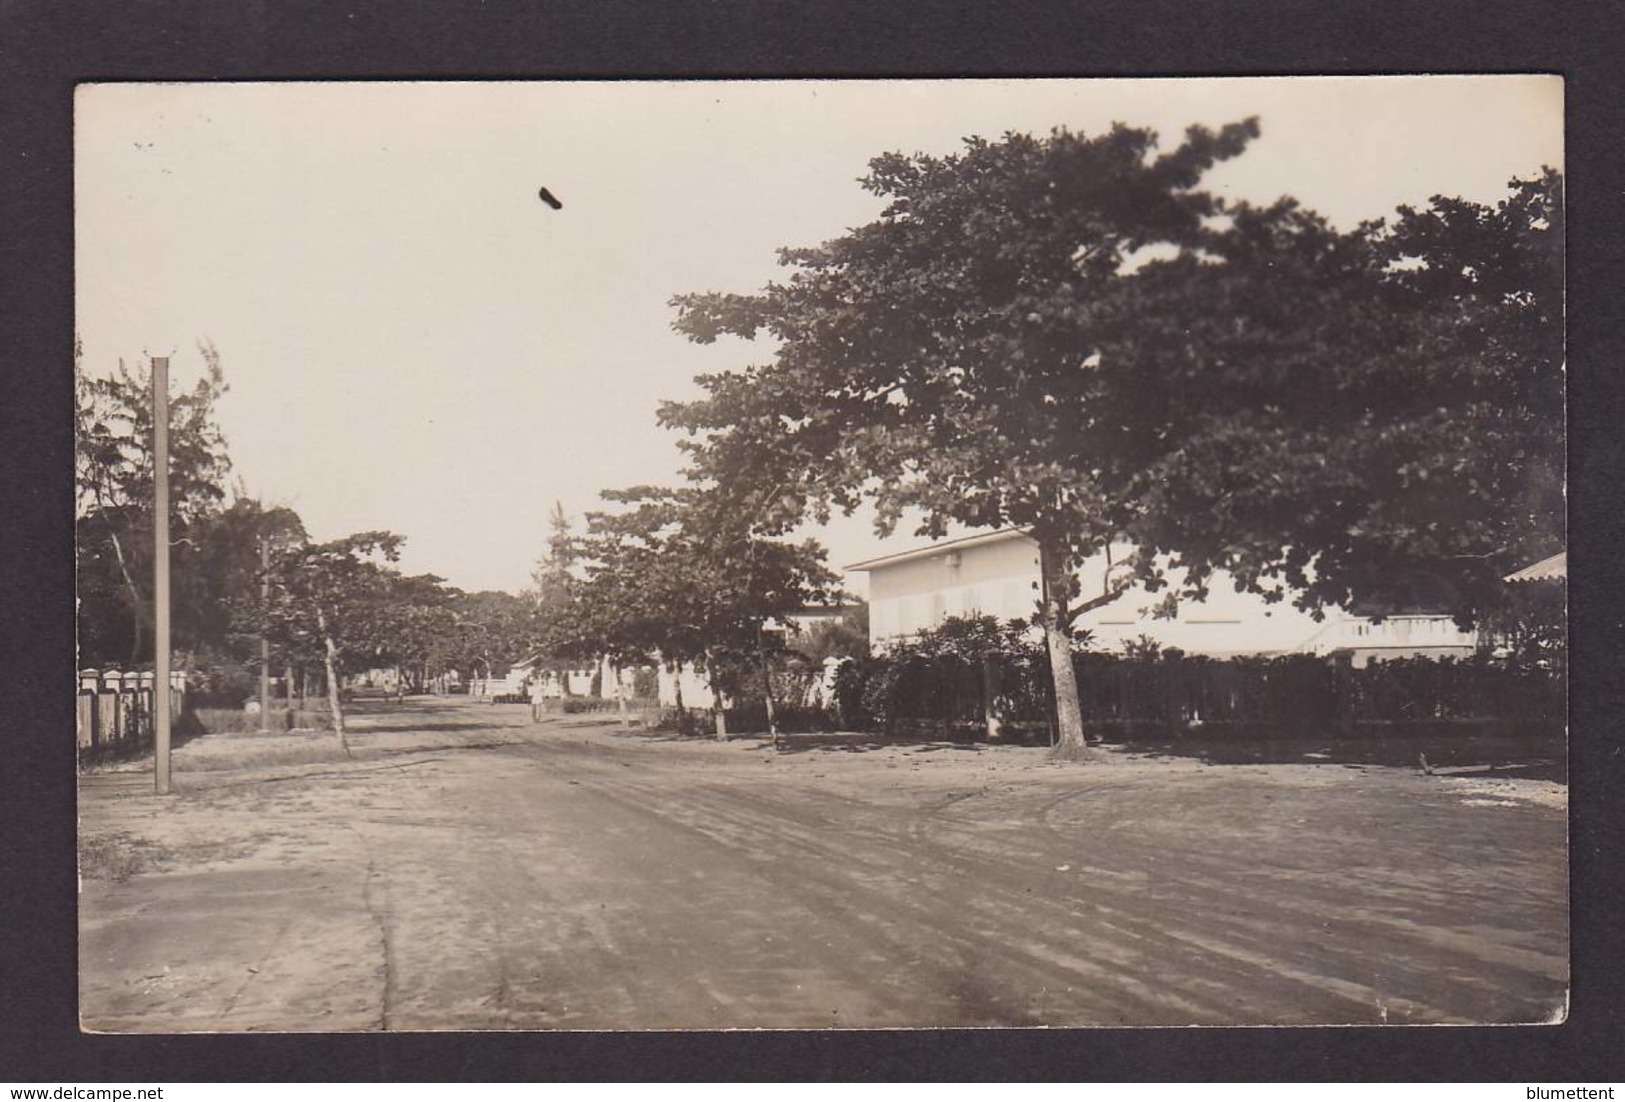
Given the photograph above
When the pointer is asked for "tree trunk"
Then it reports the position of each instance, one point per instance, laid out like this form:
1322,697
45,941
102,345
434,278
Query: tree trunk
990,703
767,689
135,597
677,686
1068,711
719,715
331,660
620,697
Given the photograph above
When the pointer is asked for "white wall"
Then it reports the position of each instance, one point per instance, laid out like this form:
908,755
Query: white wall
1225,622
696,686
1001,578
1395,637
998,579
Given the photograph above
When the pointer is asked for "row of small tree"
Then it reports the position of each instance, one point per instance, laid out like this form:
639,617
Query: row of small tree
672,576
243,570
680,577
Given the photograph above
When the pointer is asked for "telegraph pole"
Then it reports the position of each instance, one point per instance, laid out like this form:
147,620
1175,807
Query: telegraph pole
265,641
160,566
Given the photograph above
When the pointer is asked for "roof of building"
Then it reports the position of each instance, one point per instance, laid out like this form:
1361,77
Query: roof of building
938,548
840,609
1551,568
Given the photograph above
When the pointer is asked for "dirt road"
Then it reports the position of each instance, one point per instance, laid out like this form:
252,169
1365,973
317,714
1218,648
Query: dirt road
468,869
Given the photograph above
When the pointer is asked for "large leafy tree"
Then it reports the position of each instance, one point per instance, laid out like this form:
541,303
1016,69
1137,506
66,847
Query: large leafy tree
113,469
1068,335
552,583
233,548
338,596
940,358
489,629
416,615
1372,419
846,637
680,576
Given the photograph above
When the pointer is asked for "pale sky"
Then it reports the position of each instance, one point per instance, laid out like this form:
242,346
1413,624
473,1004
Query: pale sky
415,342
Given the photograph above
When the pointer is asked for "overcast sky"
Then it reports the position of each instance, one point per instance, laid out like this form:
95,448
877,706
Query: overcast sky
414,341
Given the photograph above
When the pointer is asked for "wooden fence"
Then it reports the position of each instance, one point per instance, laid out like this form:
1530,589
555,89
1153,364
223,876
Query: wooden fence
115,709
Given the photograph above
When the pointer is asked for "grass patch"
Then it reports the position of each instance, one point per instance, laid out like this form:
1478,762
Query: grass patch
1072,752
254,753
116,857
221,721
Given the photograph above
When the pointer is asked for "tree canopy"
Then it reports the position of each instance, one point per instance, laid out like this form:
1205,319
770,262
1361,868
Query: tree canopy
1069,335
338,604
338,596
1372,419
940,358
680,576
113,477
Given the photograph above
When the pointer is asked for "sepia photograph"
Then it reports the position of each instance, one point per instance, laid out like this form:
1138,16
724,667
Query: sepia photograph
820,554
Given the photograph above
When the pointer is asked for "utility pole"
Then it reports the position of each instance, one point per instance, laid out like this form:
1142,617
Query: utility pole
265,641
160,566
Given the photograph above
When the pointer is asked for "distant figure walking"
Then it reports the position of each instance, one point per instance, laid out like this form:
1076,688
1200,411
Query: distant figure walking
536,698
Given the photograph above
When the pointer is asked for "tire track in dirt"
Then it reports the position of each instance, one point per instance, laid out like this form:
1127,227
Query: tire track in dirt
272,944
1235,948
1482,965
1123,930
1214,878
697,967
952,863
1324,954
383,918
876,918
1107,990
1228,974
994,897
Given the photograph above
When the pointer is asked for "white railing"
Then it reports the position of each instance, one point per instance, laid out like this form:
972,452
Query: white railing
114,708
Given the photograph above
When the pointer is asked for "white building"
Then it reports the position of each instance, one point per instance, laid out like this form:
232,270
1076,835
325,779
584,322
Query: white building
696,686
517,680
997,574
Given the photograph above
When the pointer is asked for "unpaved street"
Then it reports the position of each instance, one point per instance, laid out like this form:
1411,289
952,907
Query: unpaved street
468,869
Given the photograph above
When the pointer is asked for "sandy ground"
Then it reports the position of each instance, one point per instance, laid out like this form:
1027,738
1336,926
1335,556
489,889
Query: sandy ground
468,869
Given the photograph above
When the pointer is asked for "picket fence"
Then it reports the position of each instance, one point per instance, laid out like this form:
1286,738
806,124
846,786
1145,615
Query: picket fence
115,708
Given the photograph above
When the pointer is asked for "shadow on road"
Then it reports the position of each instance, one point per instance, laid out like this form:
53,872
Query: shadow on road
1502,756
409,726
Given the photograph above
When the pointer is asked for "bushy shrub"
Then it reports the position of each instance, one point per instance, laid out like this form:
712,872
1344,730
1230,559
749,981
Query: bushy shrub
214,721
952,675
942,679
851,688
224,685
689,722
750,717
591,705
